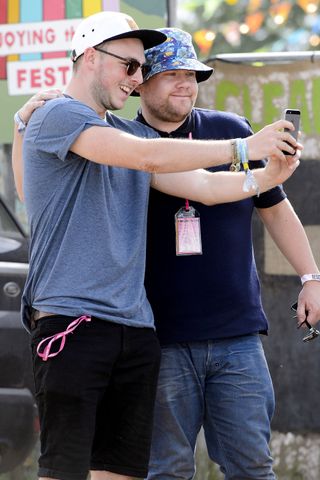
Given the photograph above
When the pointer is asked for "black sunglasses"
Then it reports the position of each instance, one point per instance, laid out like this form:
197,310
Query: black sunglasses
313,332
131,63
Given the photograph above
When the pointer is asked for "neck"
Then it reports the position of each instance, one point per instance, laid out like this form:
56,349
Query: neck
77,91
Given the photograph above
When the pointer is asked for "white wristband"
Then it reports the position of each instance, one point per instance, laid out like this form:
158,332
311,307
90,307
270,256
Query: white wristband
310,276
19,122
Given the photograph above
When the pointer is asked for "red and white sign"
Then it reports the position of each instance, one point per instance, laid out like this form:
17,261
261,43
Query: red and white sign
52,36
29,77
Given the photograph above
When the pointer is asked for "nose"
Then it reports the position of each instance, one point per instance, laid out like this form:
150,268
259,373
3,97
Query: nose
137,77
186,80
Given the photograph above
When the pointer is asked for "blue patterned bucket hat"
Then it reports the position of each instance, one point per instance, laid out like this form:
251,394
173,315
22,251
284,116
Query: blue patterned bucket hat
176,53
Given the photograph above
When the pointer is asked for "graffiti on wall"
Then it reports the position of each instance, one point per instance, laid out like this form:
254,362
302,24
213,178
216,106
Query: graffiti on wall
261,93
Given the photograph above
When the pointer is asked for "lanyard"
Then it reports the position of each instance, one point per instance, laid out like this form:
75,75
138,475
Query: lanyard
187,226
187,206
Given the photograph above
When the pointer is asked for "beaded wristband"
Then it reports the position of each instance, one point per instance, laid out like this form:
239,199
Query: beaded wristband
235,160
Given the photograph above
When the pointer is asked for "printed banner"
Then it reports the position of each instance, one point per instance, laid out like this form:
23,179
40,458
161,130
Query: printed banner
30,77
35,39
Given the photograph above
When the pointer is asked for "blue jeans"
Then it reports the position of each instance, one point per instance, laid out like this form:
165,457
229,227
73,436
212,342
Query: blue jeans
224,386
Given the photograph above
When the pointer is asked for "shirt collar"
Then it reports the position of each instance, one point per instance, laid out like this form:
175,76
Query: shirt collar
182,131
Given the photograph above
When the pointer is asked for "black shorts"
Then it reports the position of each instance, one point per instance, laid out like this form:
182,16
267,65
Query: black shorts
95,398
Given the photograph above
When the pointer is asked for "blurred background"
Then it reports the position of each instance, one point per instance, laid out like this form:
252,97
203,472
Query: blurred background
266,58
236,26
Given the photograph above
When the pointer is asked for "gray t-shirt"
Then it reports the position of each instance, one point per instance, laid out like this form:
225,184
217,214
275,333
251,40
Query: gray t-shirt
87,221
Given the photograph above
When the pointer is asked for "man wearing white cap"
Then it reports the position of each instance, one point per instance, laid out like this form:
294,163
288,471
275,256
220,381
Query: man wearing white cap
207,308
95,388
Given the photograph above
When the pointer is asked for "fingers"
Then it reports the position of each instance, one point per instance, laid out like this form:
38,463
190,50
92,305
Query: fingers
294,164
286,147
282,124
308,311
309,303
307,319
301,313
293,161
281,149
47,94
284,143
273,140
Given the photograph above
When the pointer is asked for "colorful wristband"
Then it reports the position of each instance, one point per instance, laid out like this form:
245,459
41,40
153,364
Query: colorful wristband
250,182
235,160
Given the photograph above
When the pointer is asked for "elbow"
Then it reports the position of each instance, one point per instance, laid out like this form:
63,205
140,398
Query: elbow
208,201
21,197
20,193
208,192
204,197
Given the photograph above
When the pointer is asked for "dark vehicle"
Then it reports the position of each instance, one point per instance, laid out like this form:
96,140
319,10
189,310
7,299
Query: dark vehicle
18,415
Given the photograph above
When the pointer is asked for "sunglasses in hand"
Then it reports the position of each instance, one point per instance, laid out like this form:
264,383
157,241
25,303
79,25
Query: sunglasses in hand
313,332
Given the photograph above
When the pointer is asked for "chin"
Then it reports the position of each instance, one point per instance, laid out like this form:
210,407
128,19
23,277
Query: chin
117,105
180,115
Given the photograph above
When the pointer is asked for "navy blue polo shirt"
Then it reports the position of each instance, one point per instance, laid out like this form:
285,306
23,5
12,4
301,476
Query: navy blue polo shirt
215,295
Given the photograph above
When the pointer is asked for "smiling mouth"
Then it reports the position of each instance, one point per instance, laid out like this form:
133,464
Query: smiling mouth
181,96
126,90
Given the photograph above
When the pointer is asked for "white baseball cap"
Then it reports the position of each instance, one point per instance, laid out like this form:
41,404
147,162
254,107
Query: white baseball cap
103,26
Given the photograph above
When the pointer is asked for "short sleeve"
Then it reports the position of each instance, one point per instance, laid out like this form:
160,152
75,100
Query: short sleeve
62,123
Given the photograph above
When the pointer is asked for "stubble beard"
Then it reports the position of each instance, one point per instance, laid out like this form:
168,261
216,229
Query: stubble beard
101,96
167,112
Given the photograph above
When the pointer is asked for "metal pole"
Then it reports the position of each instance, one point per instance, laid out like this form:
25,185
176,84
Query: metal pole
172,13
271,57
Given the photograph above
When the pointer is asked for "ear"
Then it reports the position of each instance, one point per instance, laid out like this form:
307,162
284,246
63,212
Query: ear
89,56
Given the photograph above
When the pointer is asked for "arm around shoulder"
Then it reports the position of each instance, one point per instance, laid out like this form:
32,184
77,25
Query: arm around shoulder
17,162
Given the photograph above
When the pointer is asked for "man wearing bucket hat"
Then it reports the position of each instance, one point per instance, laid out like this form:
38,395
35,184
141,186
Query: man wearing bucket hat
95,389
207,308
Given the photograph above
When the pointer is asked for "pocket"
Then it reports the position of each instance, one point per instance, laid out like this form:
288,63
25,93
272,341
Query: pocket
47,326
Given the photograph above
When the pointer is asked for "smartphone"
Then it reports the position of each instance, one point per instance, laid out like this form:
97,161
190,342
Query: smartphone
293,116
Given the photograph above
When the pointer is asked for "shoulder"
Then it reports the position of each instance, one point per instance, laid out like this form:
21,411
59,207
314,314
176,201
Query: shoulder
222,123
131,126
62,109
67,115
211,115
60,119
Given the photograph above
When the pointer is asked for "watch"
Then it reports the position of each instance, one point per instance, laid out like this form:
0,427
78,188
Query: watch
19,122
310,276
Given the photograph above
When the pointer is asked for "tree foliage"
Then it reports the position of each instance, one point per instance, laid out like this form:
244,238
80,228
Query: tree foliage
233,26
